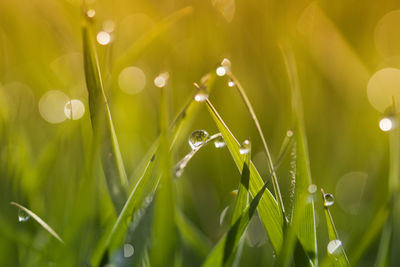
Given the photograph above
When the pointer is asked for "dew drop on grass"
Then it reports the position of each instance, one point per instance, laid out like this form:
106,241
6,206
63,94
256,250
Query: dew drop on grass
91,13
334,247
22,216
202,95
128,250
221,71
197,138
231,83
219,142
329,200
289,133
226,63
245,147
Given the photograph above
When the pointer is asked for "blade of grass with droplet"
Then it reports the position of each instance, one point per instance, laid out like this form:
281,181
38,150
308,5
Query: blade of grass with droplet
39,220
137,48
340,257
268,209
223,252
192,236
103,128
306,232
249,107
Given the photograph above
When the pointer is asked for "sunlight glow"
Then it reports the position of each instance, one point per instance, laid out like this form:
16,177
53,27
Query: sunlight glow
103,38
132,80
74,109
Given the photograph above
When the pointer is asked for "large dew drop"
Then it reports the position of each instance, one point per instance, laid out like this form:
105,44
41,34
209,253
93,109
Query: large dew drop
197,138
245,147
334,247
329,200
22,216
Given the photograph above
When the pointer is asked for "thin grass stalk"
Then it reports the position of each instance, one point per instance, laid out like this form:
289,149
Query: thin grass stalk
249,107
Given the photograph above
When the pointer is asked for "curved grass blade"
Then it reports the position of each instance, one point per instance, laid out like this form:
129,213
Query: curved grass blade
137,48
115,237
191,235
274,179
39,220
223,252
268,209
103,128
335,247
306,231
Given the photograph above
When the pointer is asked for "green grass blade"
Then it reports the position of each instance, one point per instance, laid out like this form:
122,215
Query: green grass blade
103,128
164,235
115,237
268,209
192,236
223,252
306,231
137,48
338,254
384,252
242,198
274,179
39,220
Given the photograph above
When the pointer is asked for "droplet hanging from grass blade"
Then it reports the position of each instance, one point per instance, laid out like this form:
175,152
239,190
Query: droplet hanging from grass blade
329,200
334,248
197,138
245,147
219,142
23,216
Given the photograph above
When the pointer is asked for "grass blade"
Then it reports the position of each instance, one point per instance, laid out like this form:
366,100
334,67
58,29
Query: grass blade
164,236
274,179
268,209
335,247
224,250
145,186
242,198
103,128
39,220
306,231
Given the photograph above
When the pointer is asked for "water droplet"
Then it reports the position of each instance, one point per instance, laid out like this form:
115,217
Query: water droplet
235,192
219,142
289,133
231,84
202,95
74,109
245,147
329,200
312,188
386,124
103,38
128,250
22,216
197,138
161,80
91,13
221,71
334,247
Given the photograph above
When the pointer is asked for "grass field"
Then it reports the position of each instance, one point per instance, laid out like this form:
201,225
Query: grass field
199,133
